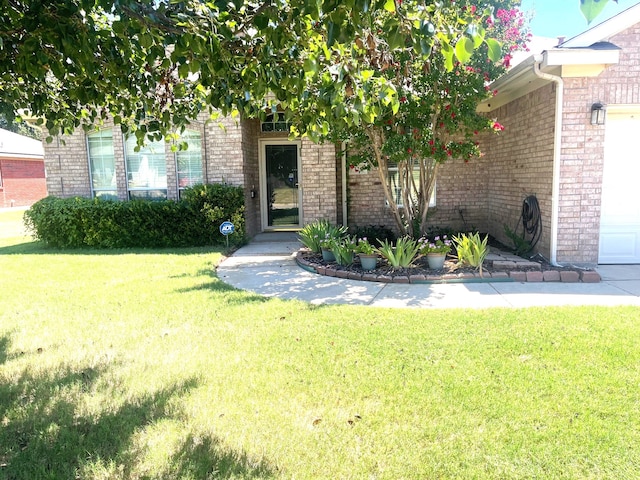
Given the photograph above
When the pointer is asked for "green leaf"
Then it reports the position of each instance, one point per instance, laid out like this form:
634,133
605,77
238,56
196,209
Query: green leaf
366,74
310,66
495,49
464,49
145,40
447,52
592,8
261,21
396,39
390,6
333,31
425,46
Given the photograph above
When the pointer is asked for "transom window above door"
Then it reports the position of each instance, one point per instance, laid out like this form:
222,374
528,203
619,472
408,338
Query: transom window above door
275,122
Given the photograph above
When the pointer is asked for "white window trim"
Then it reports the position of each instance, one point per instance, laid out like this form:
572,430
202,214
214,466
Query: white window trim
143,189
432,200
96,191
180,189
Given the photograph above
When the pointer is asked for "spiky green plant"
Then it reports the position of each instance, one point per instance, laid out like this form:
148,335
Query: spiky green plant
471,249
313,234
402,254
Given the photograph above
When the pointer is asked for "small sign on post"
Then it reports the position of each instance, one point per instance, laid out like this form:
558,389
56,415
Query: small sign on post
226,229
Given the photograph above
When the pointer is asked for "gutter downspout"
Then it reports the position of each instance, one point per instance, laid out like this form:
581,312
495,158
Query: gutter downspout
343,165
557,146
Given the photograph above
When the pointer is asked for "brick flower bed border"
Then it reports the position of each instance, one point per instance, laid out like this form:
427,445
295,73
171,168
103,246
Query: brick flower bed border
564,275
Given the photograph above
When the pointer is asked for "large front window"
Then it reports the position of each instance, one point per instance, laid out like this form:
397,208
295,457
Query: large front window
102,164
146,170
396,185
189,162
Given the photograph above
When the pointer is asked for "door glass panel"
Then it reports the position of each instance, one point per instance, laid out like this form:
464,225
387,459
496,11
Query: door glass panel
282,185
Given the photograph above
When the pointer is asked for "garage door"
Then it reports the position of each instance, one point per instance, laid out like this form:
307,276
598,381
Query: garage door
620,217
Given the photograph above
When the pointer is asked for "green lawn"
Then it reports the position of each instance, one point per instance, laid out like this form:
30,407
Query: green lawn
143,365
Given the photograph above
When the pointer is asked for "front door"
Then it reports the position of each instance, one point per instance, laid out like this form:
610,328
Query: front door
280,168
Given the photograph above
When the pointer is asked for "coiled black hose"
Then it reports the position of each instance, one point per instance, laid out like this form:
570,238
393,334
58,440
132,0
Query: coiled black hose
531,220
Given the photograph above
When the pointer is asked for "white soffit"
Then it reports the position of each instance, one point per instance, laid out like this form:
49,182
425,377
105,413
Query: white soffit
564,62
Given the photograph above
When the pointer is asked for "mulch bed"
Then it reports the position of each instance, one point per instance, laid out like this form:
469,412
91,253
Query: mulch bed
451,272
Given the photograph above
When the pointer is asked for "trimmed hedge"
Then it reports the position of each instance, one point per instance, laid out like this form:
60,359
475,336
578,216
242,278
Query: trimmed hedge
192,221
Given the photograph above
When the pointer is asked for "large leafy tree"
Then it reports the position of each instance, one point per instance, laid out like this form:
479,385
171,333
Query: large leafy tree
72,61
397,77
406,101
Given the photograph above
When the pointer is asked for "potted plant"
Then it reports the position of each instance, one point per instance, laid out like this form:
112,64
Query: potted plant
435,250
367,254
330,235
343,250
326,246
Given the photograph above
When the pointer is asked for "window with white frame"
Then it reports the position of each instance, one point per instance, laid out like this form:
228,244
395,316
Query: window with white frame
102,165
275,122
146,170
189,161
395,183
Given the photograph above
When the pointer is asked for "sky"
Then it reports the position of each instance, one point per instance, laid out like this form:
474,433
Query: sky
556,18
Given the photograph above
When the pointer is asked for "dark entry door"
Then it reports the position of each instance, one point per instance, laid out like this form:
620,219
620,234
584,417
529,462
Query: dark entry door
283,195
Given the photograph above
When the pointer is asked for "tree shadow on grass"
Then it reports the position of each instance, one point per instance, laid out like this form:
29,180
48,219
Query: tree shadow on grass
4,347
49,432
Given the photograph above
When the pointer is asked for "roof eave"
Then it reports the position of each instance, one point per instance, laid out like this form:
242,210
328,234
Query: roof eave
564,62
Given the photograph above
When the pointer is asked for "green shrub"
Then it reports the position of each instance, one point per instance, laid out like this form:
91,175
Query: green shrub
344,249
375,234
521,246
313,233
192,221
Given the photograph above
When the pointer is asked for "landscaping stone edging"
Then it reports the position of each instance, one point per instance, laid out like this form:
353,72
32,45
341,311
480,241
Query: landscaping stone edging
567,275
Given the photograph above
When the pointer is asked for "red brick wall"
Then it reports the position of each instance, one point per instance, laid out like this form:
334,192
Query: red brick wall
250,133
583,148
486,193
22,182
518,162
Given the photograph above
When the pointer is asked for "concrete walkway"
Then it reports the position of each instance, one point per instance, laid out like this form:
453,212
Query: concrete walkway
267,267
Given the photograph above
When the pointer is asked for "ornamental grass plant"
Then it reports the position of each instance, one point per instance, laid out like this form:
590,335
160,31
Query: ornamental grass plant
471,249
402,254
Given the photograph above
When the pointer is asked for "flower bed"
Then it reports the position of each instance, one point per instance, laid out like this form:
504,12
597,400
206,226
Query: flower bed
499,267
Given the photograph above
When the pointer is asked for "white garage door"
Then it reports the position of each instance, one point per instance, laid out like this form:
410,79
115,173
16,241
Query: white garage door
620,217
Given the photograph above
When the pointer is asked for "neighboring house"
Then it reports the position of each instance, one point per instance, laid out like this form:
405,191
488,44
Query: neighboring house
22,178
582,174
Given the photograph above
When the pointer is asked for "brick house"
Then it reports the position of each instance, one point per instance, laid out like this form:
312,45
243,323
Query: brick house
286,183
581,173
22,179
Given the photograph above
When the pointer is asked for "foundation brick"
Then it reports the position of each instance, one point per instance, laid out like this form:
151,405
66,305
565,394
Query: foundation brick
534,276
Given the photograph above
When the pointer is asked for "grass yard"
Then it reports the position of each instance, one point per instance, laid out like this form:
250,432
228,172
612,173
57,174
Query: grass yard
143,365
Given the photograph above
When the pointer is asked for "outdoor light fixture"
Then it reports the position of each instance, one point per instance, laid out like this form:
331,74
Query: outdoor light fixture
597,114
